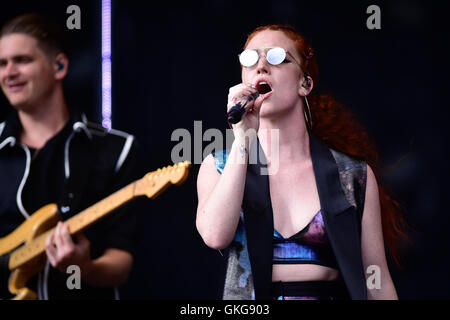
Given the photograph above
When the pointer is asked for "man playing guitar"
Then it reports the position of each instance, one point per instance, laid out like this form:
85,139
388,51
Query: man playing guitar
49,153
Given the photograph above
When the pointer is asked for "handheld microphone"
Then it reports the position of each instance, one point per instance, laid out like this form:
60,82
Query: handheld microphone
237,111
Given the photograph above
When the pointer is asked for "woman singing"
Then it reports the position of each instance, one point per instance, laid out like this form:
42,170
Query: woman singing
309,226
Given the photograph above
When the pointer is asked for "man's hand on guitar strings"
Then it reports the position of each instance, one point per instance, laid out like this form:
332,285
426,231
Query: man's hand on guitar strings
62,251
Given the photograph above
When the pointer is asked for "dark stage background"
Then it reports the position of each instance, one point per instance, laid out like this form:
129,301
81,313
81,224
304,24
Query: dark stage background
173,64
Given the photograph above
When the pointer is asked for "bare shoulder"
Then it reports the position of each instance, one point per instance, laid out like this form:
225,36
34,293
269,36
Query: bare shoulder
372,185
207,175
208,168
372,202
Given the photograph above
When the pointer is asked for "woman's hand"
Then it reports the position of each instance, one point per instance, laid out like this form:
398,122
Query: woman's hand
250,119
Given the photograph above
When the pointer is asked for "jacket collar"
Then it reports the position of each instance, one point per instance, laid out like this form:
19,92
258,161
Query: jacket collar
332,197
11,127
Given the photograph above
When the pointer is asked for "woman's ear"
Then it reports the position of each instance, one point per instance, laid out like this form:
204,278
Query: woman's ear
306,85
61,65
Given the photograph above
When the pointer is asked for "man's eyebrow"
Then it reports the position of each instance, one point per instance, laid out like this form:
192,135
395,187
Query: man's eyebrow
21,55
17,56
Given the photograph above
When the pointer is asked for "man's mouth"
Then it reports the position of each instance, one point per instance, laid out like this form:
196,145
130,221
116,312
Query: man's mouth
16,86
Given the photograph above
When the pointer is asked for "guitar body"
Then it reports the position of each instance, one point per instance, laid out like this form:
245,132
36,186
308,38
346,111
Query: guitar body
41,221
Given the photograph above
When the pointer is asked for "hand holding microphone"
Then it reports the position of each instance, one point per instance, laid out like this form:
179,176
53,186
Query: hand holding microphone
235,114
239,99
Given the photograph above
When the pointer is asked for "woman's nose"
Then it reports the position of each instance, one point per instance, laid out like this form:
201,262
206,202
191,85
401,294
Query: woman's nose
262,65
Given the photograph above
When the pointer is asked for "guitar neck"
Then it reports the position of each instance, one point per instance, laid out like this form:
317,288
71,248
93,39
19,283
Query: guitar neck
151,185
76,224
101,209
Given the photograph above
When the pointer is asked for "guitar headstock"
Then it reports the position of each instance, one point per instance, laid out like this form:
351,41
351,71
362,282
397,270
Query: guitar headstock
155,182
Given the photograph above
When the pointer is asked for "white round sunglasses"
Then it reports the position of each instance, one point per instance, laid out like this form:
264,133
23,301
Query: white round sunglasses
274,56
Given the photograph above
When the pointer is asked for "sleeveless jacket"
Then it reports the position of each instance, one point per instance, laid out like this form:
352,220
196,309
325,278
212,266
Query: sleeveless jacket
341,184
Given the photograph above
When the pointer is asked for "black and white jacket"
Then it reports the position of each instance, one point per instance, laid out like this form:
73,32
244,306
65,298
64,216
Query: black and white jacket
96,163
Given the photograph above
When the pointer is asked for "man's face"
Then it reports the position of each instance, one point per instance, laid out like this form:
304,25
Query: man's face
27,75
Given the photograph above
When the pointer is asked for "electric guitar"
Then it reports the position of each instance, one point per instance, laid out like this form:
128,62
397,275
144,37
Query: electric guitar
29,259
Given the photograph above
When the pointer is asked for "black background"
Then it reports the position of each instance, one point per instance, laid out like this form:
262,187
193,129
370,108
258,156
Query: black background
173,64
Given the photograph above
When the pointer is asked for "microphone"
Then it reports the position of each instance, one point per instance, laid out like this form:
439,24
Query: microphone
237,111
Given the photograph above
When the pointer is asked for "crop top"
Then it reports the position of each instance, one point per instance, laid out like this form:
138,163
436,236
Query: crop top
308,246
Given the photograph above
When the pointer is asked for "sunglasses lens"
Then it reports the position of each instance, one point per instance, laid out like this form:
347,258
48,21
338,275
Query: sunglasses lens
248,58
276,55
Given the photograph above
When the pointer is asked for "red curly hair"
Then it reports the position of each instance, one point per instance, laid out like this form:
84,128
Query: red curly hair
337,126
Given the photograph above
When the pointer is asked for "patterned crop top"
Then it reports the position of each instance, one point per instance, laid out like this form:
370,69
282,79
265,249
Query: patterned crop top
308,246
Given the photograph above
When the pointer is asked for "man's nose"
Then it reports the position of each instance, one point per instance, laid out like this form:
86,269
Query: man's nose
10,70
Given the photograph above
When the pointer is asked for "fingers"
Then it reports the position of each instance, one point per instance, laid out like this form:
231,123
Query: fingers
50,249
240,93
82,242
63,239
258,102
62,251
59,247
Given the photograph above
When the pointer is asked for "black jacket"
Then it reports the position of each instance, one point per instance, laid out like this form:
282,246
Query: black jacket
91,163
